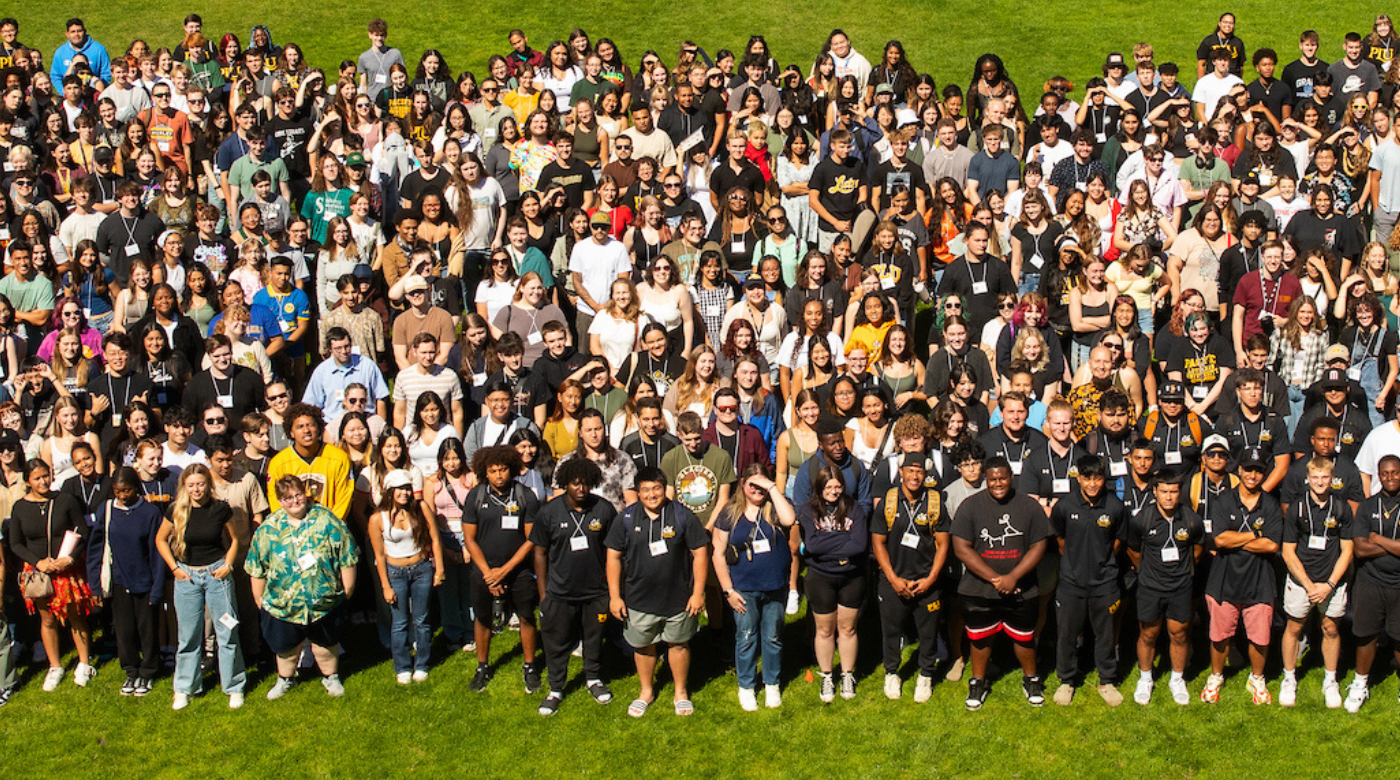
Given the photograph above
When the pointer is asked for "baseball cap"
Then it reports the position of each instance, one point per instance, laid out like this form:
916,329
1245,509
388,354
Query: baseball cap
1251,177
753,283
599,219
912,459
1172,391
362,271
1115,60
1215,442
355,160
414,283
9,439
1336,352
884,89
1253,457
1334,378
398,478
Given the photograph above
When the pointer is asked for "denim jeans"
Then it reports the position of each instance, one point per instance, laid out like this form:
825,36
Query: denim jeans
1295,406
1030,281
203,590
760,623
412,585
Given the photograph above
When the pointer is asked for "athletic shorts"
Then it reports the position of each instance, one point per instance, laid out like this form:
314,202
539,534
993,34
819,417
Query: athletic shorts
521,596
825,594
1375,609
1153,605
644,630
283,637
1297,606
1225,619
1015,617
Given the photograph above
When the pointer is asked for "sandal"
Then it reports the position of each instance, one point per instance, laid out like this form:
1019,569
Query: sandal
638,708
684,707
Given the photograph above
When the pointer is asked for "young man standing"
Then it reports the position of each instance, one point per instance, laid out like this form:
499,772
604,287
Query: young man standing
993,168
238,389
697,475
1000,537
292,308
323,469
649,444
1212,87
1300,74
1251,424
657,563
1345,481
1377,547
838,194
126,234
594,265
1246,527
426,374
1317,549
736,438
376,61
832,451
1353,74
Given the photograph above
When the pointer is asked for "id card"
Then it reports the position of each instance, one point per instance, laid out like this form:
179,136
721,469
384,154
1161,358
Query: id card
1317,542
886,283
132,250
761,546
910,540
306,561
1199,392
455,526
510,522
535,338
1060,486
1016,467
1173,458
1118,468
979,288
226,401
1170,554
578,543
229,621
1354,373
658,548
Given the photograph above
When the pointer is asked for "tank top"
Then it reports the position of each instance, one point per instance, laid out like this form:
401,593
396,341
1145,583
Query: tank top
796,455
62,463
136,309
899,384
398,542
586,146
1101,310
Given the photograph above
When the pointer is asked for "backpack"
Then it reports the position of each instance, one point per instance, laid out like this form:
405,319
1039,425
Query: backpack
1193,423
933,505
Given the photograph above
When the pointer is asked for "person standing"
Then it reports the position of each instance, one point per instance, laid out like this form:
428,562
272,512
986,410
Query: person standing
838,194
375,62
1377,548
656,585
594,265
323,469
698,475
408,554
1000,537
126,567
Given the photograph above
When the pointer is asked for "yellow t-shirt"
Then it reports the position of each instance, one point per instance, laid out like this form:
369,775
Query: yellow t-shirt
326,477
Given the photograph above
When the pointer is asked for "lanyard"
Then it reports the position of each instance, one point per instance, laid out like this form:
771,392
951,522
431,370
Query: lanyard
1137,498
1327,513
1270,299
577,521
909,515
970,276
1050,453
1007,453
735,456
1245,434
87,497
1208,493
1171,531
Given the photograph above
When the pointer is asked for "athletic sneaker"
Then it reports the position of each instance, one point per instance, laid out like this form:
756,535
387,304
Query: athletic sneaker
792,602
1064,694
772,697
182,700
600,691
53,678
747,700
892,686
279,690
1332,694
331,683
1034,688
1260,690
481,678
1143,693
1288,691
551,703
977,690
143,687
129,687
532,678
403,678
5,694
470,646
848,686
923,689
1180,694
420,675
828,692
1356,696
1211,693
82,673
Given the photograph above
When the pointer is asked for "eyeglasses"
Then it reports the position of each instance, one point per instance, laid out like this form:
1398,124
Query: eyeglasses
1111,345
278,397
24,182
737,196
1215,454
416,292
603,228
196,101
362,105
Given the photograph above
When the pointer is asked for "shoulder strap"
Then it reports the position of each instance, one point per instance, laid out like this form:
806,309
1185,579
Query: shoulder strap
1150,427
891,507
1194,423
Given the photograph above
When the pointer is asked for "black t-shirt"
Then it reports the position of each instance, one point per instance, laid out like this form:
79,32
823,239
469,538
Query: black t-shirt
663,373
1048,475
216,254
575,177
573,545
1230,43
1379,345
658,575
1168,562
500,519
1200,366
910,537
1378,514
1037,250
1269,433
416,184
886,176
997,442
724,178
1299,76
1356,426
1346,482
291,137
240,394
643,454
1274,95
90,495
205,541
1318,531
1144,103
1089,530
1235,262
838,189
119,391
679,125
528,392
1238,576
1179,443
1001,533
966,279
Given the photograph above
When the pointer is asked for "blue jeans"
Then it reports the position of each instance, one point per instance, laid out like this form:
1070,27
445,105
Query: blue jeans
1030,281
203,590
1079,353
1145,321
763,616
412,585
1371,383
1295,407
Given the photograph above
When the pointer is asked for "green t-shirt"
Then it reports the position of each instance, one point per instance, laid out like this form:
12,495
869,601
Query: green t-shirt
697,480
240,174
33,295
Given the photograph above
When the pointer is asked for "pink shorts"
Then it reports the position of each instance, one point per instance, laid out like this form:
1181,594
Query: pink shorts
1225,621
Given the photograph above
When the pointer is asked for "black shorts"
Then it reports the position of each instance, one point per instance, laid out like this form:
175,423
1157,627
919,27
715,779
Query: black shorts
1153,605
825,594
1375,609
1013,615
521,596
284,637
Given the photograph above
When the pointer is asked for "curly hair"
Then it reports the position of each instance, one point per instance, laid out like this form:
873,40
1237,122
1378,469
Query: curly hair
501,455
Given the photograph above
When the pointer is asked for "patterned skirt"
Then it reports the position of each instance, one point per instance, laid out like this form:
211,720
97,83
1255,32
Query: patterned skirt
70,588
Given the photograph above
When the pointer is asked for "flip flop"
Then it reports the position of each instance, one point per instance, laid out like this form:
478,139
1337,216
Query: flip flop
638,708
684,707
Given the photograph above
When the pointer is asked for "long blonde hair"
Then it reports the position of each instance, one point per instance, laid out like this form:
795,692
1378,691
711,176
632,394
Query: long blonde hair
62,369
690,387
180,509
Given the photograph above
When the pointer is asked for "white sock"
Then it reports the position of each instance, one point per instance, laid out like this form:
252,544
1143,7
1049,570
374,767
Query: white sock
1329,677
1290,674
1177,676
592,681
1359,681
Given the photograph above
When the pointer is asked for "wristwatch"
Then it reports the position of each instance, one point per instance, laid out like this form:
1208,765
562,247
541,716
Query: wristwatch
726,592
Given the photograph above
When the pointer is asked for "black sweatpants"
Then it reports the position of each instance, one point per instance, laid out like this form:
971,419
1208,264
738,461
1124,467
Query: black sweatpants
895,612
135,622
1074,607
562,623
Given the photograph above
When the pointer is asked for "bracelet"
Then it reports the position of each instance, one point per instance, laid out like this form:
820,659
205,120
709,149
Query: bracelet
1331,585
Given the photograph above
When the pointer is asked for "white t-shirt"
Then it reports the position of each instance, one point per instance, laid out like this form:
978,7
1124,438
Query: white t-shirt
487,200
618,338
1211,89
1049,155
496,296
77,227
598,265
793,352
1381,442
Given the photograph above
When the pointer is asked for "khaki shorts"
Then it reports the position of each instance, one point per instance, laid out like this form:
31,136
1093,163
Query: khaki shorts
644,630
1297,606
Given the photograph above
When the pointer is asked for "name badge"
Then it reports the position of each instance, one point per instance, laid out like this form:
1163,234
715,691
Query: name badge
1199,392
132,250
87,313
910,540
1170,554
761,546
886,283
226,401
979,288
1118,468
510,522
307,561
229,621
657,548
116,419
1354,373
455,526
736,247
355,350
1316,542
711,311
1174,458
578,543
4,234
479,379
1060,486
535,338
1016,467
381,78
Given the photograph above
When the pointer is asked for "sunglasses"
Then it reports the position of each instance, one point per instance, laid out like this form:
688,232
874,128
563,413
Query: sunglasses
672,185
952,305
356,400
492,90
277,397
726,408
161,94
1155,159
1006,305
777,218
216,421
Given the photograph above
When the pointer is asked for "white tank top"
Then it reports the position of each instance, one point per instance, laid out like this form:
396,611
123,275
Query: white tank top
398,542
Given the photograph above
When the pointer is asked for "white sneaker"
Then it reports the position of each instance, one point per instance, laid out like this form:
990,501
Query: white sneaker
1288,691
279,690
82,673
923,689
772,697
420,676
235,701
1332,694
182,701
792,602
53,678
403,678
1179,693
1356,696
1143,693
892,686
747,700
331,683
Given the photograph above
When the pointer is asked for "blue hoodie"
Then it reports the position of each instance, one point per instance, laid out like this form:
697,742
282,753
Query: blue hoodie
131,534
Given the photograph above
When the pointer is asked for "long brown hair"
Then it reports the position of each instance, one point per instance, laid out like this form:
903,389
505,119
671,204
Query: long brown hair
416,522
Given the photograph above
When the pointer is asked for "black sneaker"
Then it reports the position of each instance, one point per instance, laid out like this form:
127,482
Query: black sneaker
551,703
532,678
129,687
143,687
481,678
977,690
600,691
1034,688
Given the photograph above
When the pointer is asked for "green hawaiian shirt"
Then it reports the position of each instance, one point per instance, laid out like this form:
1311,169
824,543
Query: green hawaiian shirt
301,563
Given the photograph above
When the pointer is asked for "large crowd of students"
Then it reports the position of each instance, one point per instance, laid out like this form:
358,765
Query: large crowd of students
604,355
